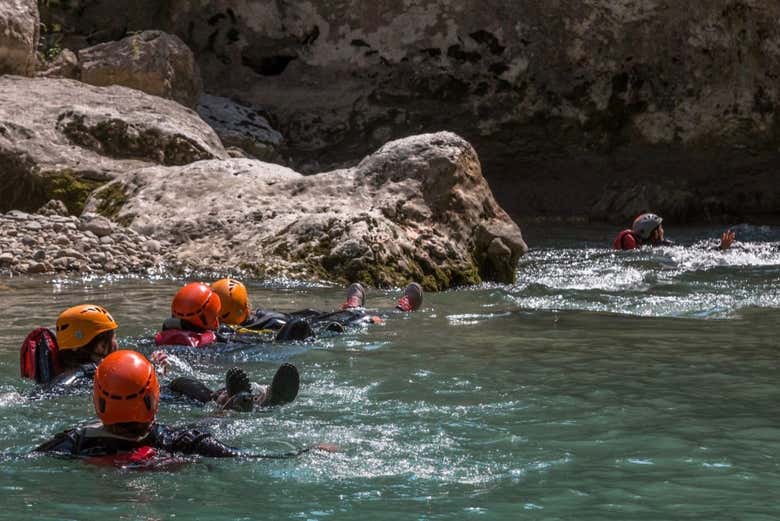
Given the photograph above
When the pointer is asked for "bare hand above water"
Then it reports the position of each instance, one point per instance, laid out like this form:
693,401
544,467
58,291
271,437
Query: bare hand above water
726,239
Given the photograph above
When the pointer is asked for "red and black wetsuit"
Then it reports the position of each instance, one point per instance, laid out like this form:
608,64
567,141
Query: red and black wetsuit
94,441
177,332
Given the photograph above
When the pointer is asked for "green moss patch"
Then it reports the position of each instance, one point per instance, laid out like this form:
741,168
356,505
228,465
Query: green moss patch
110,200
68,187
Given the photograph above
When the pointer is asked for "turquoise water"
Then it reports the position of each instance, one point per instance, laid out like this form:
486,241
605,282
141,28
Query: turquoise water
602,385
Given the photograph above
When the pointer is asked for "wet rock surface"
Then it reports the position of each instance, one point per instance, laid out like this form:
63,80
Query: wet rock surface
417,209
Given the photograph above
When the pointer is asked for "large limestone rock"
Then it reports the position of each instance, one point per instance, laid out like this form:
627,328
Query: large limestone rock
60,139
19,29
559,98
417,209
151,61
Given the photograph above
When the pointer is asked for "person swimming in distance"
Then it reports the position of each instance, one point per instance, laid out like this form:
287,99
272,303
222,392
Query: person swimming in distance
647,230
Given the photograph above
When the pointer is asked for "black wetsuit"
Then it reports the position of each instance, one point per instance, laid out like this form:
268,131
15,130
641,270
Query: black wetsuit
302,324
95,441
275,320
68,382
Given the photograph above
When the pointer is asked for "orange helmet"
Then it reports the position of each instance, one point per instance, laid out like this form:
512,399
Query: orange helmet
234,299
197,304
125,389
77,326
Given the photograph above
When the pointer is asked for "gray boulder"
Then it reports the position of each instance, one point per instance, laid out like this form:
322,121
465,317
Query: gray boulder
60,139
417,209
19,30
559,98
151,61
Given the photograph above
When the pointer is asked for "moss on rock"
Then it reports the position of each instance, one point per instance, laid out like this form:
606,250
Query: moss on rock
68,187
110,200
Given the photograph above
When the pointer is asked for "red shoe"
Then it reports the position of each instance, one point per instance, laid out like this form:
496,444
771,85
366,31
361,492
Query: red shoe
412,298
356,296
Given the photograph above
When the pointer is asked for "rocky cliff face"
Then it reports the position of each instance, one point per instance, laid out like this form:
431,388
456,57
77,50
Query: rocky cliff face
567,104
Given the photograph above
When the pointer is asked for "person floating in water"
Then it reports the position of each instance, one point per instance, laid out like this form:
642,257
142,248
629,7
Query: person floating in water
237,393
85,334
198,310
126,396
306,323
194,318
66,361
647,229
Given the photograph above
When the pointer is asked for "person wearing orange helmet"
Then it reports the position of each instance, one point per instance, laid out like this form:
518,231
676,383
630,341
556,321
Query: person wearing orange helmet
85,334
126,395
300,325
234,300
194,318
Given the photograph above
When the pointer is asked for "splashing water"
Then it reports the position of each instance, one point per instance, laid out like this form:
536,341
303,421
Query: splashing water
596,387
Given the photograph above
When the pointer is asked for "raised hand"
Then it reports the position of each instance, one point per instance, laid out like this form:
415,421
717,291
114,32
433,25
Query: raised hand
726,239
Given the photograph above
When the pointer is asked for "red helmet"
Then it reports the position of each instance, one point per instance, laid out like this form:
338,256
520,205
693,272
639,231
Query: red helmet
125,389
197,304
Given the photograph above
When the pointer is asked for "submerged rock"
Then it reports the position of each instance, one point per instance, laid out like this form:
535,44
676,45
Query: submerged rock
61,139
418,209
19,29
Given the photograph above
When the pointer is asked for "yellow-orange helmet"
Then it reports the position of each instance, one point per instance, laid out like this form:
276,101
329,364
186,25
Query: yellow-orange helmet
234,299
125,389
79,325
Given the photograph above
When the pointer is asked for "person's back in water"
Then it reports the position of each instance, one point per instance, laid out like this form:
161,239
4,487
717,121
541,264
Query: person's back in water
126,395
99,440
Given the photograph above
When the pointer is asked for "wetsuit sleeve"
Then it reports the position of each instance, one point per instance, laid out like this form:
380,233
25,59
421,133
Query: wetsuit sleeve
80,378
264,319
192,441
63,443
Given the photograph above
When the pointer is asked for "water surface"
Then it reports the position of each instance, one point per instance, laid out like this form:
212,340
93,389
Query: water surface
602,385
